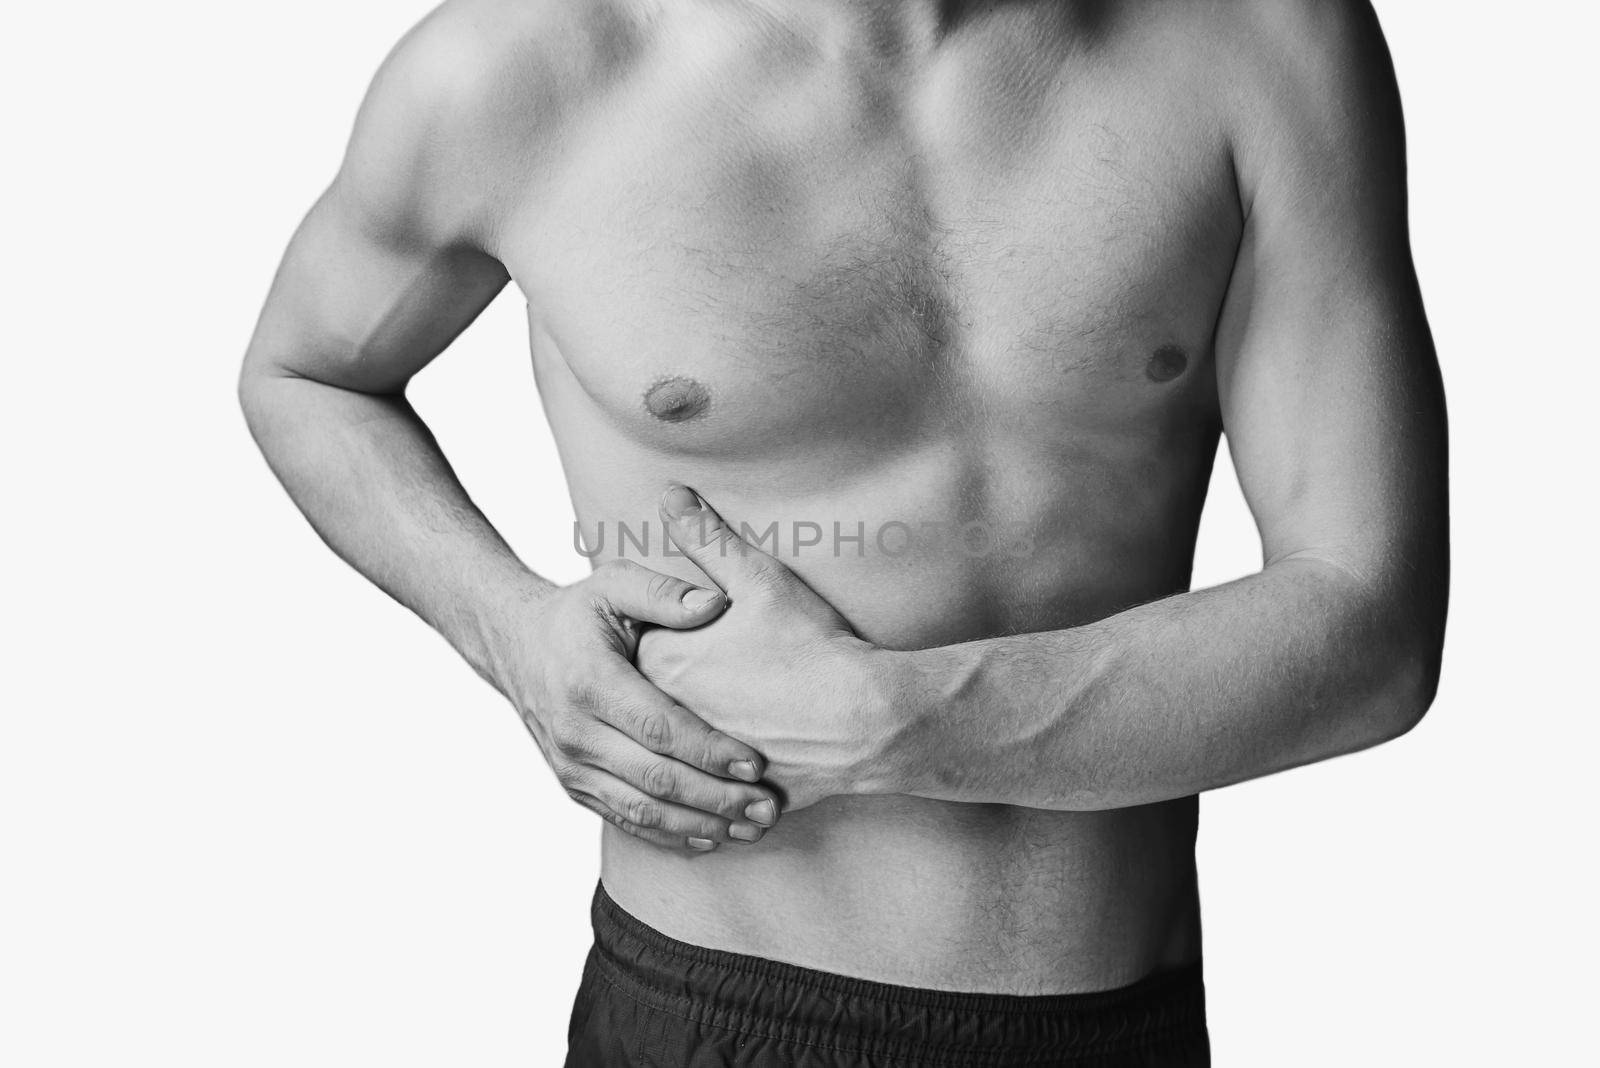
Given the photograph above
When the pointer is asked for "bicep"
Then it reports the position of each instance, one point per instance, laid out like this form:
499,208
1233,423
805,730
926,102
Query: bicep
363,302
387,267
1329,385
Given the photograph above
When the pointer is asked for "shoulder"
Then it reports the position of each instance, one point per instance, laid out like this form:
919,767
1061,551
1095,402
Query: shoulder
466,54
1318,57
1311,92
476,88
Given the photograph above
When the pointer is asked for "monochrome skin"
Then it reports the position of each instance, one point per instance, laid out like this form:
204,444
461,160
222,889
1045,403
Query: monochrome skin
1007,268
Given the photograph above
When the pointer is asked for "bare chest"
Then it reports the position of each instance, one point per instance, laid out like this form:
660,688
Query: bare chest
815,249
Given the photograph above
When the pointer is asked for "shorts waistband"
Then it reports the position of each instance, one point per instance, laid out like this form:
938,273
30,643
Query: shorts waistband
931,1027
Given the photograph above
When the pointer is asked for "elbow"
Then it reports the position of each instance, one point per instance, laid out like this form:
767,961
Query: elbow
1394,630
1408,682
247,390
1408,697
254,391
245,395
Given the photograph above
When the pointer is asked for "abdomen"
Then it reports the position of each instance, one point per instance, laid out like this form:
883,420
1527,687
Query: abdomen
933,894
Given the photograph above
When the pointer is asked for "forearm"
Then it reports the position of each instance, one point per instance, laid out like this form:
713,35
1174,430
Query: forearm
372,481
1286,667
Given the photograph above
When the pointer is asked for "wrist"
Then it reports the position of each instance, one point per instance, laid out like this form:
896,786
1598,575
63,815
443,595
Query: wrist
924,698
901,715
498,632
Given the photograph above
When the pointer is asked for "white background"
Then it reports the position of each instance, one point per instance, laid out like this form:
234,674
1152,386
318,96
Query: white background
252,813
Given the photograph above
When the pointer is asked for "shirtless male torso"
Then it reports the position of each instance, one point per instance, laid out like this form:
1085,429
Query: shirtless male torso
944,306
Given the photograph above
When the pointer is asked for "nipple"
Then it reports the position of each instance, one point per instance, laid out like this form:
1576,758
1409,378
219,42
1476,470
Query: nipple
677,399
1168,362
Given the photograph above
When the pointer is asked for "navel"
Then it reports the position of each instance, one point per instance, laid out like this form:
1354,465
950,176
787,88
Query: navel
1167,363
677,399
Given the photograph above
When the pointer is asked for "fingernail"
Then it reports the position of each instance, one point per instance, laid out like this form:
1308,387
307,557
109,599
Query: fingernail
680,501
743,769
744,832
697,599
763,812
703,844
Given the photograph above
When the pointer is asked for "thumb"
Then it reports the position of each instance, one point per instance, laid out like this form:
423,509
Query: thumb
651,597
704,537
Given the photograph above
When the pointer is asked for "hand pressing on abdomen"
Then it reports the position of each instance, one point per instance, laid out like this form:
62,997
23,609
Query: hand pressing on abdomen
618,745
780,668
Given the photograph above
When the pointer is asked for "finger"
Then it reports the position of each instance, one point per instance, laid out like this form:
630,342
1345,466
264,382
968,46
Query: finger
640,809
652,719
651,597
674,781
702,535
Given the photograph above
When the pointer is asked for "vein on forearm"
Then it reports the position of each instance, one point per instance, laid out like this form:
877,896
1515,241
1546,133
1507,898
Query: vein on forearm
1297,663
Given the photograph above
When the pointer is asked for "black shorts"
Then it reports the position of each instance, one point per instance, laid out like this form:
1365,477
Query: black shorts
650,1001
